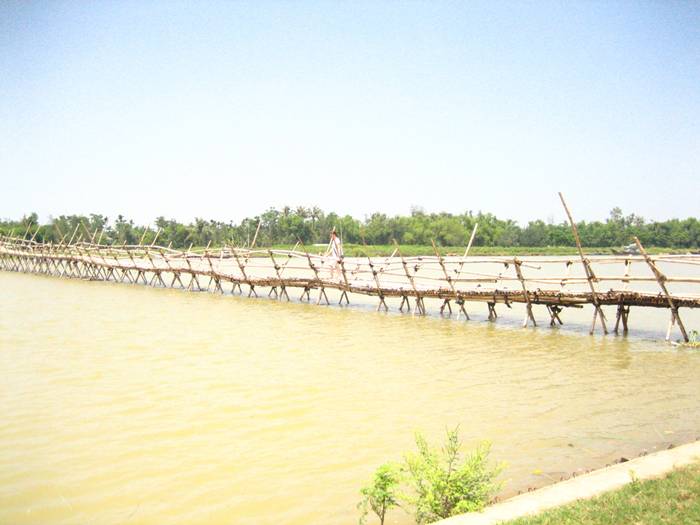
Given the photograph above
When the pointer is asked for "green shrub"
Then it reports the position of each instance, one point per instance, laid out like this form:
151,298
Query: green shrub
433,483
444,484
381,494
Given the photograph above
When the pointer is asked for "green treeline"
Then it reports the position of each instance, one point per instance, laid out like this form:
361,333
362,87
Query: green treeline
313,225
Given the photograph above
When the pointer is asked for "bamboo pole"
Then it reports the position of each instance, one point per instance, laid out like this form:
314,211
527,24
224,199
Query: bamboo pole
143,236
458,299
466,252
251,286
590,276
374,272
255,237
156,237
35,233
322,291
213,275
529,315
345,280
661,278
375,275
283,291
73,236
420,307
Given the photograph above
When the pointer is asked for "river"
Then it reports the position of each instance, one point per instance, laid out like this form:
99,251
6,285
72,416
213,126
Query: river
129,404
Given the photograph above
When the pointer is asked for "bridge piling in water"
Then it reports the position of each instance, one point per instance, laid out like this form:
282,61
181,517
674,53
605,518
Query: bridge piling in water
447,279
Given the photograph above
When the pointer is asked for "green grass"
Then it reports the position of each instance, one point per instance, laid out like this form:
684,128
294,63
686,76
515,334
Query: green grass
674,499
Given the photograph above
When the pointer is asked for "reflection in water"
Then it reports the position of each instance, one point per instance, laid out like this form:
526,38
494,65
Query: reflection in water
124,404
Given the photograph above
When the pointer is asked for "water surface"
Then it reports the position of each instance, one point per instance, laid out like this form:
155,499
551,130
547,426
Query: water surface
128,404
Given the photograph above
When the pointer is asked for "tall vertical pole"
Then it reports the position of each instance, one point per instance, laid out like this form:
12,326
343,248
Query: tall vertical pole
590,276
661,279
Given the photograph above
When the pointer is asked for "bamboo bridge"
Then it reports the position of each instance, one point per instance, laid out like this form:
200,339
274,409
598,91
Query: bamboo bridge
556,283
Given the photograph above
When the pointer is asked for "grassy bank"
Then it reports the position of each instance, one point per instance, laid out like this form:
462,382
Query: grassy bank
674,499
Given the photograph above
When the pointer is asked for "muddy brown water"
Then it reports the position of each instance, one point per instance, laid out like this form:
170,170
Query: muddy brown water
129,404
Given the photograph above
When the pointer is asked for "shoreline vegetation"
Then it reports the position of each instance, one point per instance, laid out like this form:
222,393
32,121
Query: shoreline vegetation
432,483
374,235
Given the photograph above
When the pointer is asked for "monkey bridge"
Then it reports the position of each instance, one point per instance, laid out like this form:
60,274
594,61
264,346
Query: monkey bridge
448,281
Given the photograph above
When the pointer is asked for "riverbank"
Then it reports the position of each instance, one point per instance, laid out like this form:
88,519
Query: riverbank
657,487
672,499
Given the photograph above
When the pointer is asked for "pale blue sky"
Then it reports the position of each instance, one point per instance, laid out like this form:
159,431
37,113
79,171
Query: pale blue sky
221,110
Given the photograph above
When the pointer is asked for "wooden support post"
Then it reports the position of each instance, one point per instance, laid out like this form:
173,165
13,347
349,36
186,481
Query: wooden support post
155,238
284,266
105,264
128,252
661,279
420,307
213,275
528,305
554,311
375,274
245,276
35,233
319,281
460,302
143,236
70,242
156,271
91,237
466,252
623,313
590,276
283,292
341,261
255,238
176,277
492,310
193,276
446,302
86,259
176,274
235,281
